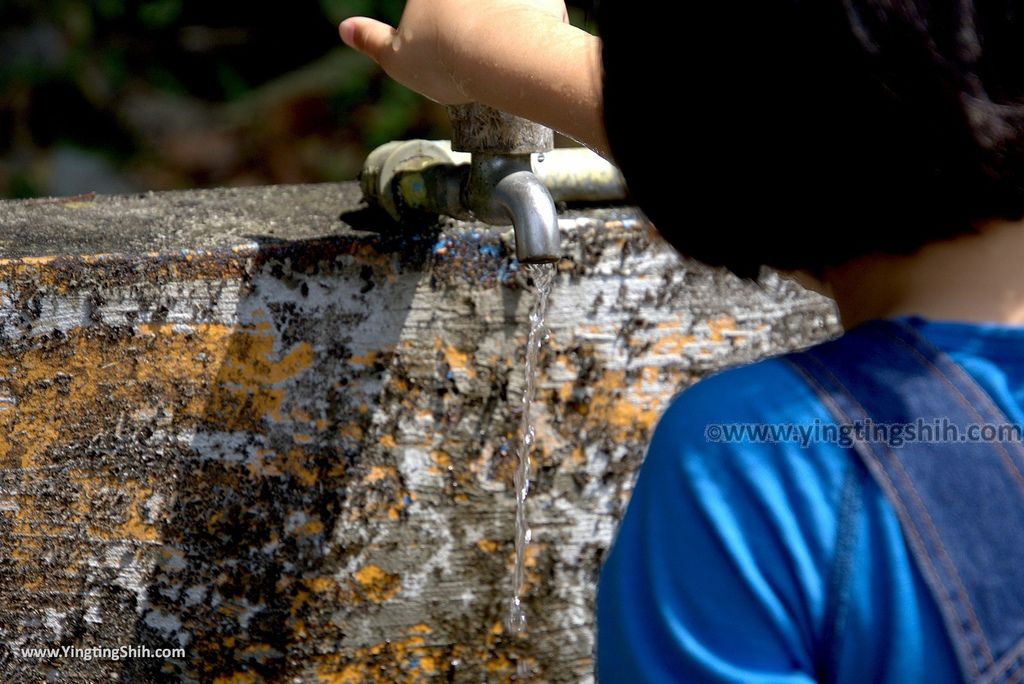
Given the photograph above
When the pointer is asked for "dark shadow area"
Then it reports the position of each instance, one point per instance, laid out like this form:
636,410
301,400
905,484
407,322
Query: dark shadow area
168,94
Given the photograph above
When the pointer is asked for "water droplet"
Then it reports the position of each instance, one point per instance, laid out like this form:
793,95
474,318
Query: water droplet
516,616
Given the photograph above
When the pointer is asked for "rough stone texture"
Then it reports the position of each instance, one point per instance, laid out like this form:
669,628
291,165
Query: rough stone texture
232,421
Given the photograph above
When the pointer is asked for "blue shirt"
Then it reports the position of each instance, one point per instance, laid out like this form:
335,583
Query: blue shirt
720,571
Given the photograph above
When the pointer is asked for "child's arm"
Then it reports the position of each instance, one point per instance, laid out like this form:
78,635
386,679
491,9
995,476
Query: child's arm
520,56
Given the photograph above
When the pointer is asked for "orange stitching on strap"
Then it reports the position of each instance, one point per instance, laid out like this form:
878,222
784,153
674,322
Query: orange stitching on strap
994,411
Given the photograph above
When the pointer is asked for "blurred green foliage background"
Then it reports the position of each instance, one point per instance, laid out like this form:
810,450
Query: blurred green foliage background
130,95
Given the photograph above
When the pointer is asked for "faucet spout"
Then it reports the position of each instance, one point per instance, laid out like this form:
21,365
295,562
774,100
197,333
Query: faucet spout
532,212
503,189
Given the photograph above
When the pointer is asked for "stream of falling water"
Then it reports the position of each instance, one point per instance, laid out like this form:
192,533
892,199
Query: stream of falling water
543,276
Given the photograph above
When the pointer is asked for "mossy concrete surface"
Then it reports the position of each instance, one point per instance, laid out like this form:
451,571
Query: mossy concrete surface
268,427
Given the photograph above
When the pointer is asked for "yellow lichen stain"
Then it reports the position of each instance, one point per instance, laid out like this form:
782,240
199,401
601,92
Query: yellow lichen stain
377,585
649,375
249,375
135,527
407,660
383,480
388,441
351,431
51,272
378,473
321,584
500,664
314,526
68,392
302,438
29,261
428,665
213,522
672,345
609,407
458,361
364,360
33,585
295,464
238,678
592,329
370,254
441,463
717,326
533,552
352,674
244,249
258,652
300,415
299,602
487,545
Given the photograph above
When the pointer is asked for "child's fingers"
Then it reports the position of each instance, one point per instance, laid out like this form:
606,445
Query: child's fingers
369,36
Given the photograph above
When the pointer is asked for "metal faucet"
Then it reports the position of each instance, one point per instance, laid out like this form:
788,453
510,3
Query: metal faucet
501,187
492,171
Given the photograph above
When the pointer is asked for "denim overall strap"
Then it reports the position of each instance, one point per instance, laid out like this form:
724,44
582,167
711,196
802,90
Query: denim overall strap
960,503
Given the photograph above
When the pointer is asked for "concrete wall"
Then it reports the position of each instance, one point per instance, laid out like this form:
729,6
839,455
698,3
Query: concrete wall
264,426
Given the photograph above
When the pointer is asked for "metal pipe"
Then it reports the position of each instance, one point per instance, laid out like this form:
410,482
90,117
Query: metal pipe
576,174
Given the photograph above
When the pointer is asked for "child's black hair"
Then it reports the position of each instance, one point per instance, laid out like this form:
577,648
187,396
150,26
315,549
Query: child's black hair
800,134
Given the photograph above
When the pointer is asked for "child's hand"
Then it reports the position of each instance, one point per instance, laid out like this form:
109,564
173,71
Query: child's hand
520,56
440,45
